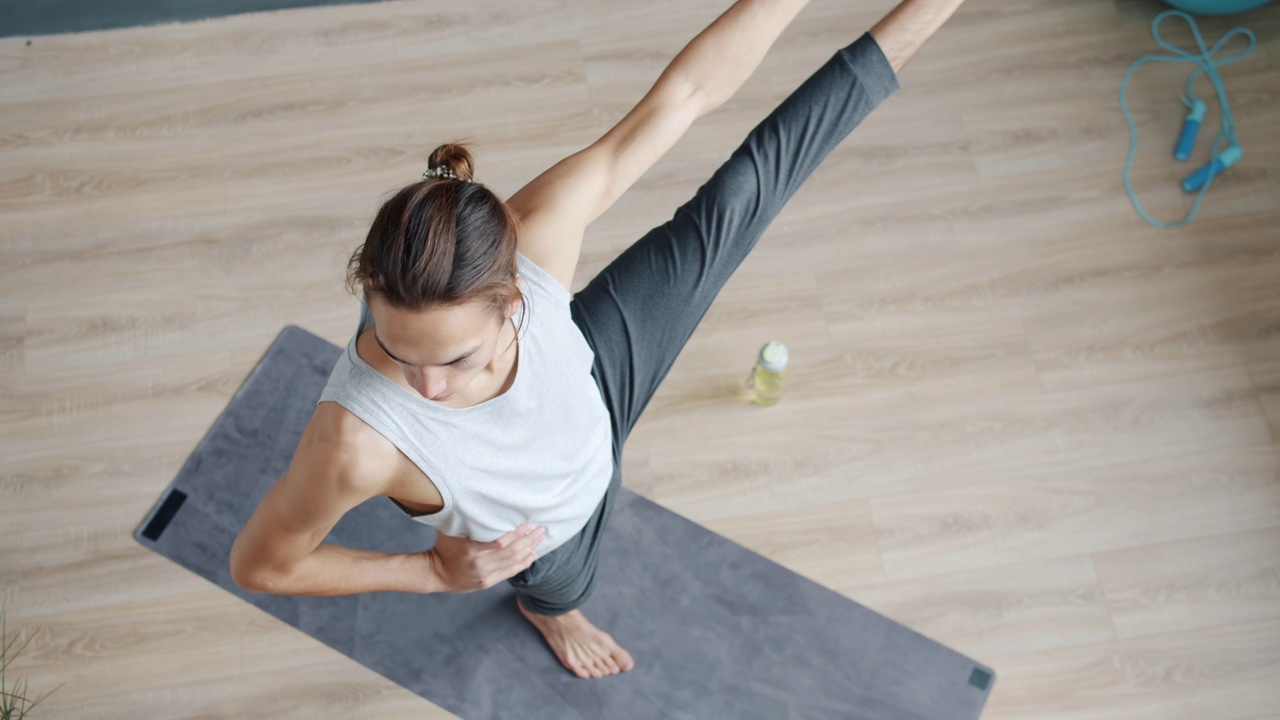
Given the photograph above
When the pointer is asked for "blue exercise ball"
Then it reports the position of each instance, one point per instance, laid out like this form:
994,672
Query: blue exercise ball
1217,7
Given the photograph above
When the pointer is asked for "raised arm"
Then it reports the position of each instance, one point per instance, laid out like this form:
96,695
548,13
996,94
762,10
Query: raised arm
556,207
908,26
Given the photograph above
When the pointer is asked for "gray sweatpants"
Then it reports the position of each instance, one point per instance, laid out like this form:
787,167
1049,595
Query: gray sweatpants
639,311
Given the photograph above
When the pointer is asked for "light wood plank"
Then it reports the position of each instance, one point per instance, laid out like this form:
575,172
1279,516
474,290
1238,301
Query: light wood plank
1075,511
1015,608
1220,672
1192,583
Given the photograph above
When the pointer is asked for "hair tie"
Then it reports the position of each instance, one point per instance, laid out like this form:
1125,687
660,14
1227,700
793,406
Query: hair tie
439,171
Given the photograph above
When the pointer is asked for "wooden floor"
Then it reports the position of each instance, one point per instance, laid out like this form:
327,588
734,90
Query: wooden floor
1020,420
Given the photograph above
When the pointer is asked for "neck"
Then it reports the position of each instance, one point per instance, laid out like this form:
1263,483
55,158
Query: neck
503,366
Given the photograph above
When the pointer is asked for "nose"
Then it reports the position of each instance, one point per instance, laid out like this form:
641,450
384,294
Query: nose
429,382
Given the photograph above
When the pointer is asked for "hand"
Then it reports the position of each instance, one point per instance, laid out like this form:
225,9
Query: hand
464,565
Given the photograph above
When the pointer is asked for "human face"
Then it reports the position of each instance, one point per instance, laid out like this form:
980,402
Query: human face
442,349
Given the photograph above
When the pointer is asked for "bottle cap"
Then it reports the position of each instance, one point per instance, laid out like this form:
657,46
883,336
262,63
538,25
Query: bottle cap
773,356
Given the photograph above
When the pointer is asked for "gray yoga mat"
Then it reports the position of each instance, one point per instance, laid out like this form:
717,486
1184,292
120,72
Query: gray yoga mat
48,17
716,630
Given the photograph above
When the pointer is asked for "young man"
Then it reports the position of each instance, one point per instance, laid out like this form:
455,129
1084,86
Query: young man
504,428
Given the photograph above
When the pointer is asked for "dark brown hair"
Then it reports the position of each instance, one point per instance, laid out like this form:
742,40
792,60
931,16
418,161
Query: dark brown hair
440,241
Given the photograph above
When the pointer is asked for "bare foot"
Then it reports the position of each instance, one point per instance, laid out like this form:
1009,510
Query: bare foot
582,647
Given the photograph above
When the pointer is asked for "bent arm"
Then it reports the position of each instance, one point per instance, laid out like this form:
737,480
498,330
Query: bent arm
280,549
556,207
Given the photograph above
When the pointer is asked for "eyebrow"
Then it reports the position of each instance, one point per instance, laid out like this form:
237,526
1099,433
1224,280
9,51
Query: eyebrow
460,358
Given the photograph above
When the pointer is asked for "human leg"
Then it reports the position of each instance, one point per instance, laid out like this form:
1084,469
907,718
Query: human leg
639,311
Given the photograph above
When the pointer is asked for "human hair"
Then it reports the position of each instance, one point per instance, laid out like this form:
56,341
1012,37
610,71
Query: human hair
445,240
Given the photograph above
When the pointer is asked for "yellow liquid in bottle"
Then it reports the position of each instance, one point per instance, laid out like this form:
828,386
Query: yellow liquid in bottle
767,385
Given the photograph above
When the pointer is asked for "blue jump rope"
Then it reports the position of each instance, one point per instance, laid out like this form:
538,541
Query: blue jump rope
1197,182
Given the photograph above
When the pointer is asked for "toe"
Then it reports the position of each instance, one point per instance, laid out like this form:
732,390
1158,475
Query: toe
602,662
588,664
623,659
602,669
576,664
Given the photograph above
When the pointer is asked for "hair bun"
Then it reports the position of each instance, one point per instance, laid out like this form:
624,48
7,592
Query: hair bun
456,158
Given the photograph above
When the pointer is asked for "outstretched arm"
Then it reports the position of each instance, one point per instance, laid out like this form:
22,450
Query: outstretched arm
906,28
557,206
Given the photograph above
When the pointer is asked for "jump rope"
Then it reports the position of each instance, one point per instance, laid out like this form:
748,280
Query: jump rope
1222,157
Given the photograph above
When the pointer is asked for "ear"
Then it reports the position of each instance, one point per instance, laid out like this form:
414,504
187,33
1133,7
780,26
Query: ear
515,302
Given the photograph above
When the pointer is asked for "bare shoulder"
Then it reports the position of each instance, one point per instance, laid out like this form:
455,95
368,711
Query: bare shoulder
341,448
556,207
336,466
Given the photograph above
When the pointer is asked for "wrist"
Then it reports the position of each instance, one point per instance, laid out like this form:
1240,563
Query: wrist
422,568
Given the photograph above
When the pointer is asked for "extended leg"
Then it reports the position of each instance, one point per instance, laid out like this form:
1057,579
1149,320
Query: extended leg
639,311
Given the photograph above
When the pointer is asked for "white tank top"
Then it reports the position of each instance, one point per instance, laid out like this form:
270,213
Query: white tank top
540,452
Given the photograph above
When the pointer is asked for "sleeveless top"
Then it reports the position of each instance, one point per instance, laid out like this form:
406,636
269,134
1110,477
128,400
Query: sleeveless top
541,452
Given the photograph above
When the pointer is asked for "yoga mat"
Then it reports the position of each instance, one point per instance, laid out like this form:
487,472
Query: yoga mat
48,17
716,630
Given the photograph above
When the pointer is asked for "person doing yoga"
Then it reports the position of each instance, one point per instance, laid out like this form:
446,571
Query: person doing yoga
484,399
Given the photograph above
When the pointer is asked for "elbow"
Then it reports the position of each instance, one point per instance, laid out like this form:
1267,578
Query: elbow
683,94
249,575
700,100
250,579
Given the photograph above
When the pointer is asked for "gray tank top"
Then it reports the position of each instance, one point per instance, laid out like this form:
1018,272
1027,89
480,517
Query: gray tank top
540,452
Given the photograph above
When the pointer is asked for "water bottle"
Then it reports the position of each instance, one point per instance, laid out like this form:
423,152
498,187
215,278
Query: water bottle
768,374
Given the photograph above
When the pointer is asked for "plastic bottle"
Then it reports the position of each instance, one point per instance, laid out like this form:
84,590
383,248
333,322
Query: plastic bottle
768,374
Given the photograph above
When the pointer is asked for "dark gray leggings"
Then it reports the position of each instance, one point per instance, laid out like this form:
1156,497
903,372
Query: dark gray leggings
639,311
